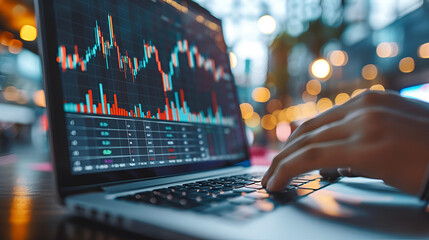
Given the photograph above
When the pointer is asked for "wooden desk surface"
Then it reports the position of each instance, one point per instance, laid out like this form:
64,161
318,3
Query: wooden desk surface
29,208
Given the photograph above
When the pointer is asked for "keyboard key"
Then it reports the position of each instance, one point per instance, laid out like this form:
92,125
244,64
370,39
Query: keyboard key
244,190
156,200
191,185
199,194
141,196
235,185
177,189
202,188
300,180
315,185
245,182
295,184
284,197
218,194
204,199
290,195
162,192
226,189
216,187
203,192
229,194
184,203
303,192
257,195
309,177
255,186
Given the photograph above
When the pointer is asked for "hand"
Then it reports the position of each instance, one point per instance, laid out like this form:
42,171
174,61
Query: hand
377,134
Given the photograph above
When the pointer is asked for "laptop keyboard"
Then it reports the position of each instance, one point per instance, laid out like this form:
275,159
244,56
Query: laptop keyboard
241,196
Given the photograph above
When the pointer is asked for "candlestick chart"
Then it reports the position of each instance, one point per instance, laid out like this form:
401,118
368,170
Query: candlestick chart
175,109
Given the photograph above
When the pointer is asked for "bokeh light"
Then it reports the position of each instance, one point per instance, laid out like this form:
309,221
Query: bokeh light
28,33
308,109
19,10
341,98
306,97
313,87
23,99
283,131
357,92
338,58
292,113
377,87
268,122
5,38
233,59
324,104
15,46
246,110
276,114
261,94
39,98
406,65
10,93
267,24
273,105
423,50
320,69
253,121
20,209
387,49
282,116
369,72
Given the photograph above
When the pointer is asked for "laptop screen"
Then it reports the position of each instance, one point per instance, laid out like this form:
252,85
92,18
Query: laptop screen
145,84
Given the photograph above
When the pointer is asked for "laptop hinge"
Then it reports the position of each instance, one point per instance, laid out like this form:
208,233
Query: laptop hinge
168,180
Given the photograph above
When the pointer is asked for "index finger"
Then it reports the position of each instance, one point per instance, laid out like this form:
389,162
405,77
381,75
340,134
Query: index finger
333,154
329,132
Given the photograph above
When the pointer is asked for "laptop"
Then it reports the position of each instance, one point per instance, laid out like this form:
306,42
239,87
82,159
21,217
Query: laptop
146,131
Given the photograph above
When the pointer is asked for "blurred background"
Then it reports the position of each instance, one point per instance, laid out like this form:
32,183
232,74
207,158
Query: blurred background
292,59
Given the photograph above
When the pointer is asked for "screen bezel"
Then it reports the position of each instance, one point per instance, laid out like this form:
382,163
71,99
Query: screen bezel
66,182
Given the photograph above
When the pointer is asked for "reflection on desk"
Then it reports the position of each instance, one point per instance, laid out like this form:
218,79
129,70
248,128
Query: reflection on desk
29,208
